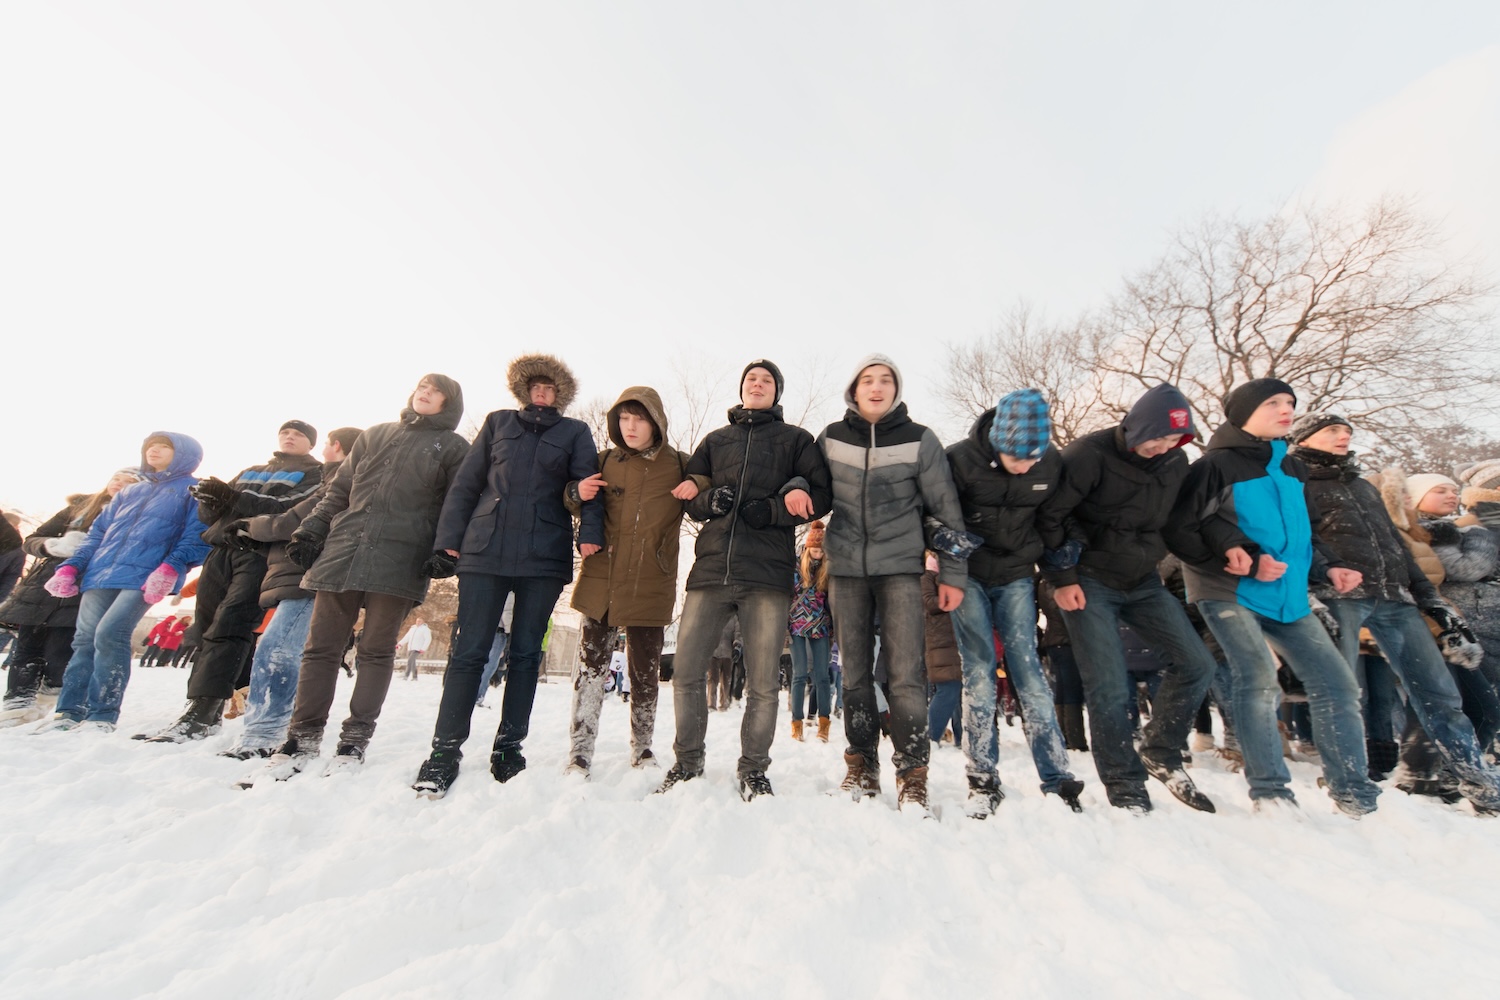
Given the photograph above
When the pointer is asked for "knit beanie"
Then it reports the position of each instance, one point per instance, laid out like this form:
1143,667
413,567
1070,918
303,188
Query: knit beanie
1161,411
775,373
1420,485
307,429
133,471
815,531
1022,427
1245,399
1484,475
1310,423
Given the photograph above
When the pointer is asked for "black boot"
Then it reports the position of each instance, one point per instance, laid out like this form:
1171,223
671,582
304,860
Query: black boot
1070,718
1069,791
1384,755
201,719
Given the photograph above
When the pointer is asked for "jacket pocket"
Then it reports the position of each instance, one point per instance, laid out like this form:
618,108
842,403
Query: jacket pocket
481,529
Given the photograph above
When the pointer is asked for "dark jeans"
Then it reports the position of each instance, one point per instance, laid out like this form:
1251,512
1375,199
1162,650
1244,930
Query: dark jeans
228,612
1062,672
481,599
945,709
855,601
40,653
1109,687
333,617
1377,696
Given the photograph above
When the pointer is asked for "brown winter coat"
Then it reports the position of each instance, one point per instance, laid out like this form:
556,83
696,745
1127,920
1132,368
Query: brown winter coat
943,661
1392,483
633,579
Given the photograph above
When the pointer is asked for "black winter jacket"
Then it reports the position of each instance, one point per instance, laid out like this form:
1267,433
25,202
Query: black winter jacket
279,485
381,510
29,604
1116,503
1358,528
760,456
1001,507
283,579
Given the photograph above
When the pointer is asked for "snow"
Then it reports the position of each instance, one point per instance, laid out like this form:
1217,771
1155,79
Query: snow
132,869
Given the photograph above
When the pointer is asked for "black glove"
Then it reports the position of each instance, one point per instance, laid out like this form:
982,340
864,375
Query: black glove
303,551
721,500
440,565
756,513
1443,532
237,536
1446,619
215,492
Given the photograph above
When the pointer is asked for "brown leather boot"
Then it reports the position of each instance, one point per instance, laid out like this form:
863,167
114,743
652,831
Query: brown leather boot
797,730
823,728
911,789
862,781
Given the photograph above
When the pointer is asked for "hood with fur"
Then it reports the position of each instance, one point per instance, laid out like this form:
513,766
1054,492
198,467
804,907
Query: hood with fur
531,366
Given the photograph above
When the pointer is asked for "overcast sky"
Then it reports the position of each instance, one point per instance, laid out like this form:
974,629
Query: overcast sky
220,216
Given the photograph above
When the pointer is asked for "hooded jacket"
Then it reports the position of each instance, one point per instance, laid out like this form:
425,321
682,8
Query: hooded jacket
1356,527
505,514
29,604
760,456
632,580
1001,507
283,579
1252,494
148,523
886,477
272,488
378,517
943,661
1115,502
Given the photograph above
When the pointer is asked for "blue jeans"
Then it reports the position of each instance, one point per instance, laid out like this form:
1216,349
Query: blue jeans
1377,697
497,652
944,708
1109,687
481,599
1402,635
273,675
94,683
1009,609
810,655
1332,699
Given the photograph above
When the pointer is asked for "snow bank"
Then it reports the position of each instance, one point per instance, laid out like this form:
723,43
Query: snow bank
129,869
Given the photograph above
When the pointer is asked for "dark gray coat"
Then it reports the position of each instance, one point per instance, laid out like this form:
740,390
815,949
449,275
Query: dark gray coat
29,604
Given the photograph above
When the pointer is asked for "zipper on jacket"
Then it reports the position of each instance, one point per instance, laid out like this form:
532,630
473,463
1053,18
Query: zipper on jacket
864,510
738,499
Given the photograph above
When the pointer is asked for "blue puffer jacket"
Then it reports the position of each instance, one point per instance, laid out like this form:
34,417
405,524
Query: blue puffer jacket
151,522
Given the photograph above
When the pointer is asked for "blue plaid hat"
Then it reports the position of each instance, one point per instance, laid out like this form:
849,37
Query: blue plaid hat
1022,428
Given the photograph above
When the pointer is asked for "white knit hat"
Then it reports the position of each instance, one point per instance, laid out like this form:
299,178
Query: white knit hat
1420,485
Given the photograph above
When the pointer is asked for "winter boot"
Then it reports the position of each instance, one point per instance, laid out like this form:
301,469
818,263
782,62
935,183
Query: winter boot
247,753
984,796
1070,791
1075,736
437,774
1179,784
1383,755
676,774
797,730
823,728
21,715
292,757
200,720
346,757
644,758
579,766
863,779
507,763
57,724
754,784
911,790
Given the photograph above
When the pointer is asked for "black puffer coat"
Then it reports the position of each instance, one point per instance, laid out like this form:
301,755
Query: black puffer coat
1116,503
760,456
1001,507
283,579
381,510
1359,529
29,605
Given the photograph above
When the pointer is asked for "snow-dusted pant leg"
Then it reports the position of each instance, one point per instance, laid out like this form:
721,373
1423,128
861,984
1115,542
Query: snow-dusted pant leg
762,615
333,617
643,645
273,675
596,641
898,600
94,684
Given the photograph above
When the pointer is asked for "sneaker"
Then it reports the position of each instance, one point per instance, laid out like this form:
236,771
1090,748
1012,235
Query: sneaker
201,720
94,726
1201,742
1179,784
753,784
862,780
506,764
247,753
1276,805
56,724
644,759
675,774
291,758
1070,791
579,766
437,774
911,790
985,797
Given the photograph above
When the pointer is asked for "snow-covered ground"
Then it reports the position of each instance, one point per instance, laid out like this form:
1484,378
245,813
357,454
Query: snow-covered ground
130,870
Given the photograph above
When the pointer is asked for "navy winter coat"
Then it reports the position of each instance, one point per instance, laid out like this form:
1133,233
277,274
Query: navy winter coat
151,522
505,513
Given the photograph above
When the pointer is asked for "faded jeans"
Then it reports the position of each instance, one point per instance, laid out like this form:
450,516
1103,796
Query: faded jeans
273,675
94,683
897,599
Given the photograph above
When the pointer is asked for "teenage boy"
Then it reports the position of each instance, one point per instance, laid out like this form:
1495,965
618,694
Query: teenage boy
1004,471
505,530
1104,531
367,545
631,583
1358,529
760,478
889,473
228,607
1245,529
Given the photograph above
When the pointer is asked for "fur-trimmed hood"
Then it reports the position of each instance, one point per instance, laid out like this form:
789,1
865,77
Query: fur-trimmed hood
530,366
1392,485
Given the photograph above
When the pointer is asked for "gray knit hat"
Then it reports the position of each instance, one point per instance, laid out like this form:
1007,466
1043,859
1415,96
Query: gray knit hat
1484,474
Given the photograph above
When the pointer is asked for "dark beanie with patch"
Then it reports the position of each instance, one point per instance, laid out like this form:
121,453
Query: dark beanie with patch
1162,412
775,373
1244,400
345,436
302,426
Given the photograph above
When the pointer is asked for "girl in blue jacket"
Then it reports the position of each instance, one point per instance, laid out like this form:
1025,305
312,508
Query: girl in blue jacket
137,552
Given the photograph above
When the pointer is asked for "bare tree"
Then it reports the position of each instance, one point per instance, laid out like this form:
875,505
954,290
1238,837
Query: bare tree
595,413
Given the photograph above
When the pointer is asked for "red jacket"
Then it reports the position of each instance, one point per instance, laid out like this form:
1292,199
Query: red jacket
156,636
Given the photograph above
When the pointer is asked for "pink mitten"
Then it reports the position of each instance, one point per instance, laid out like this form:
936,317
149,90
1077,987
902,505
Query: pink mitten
159,583
64,582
